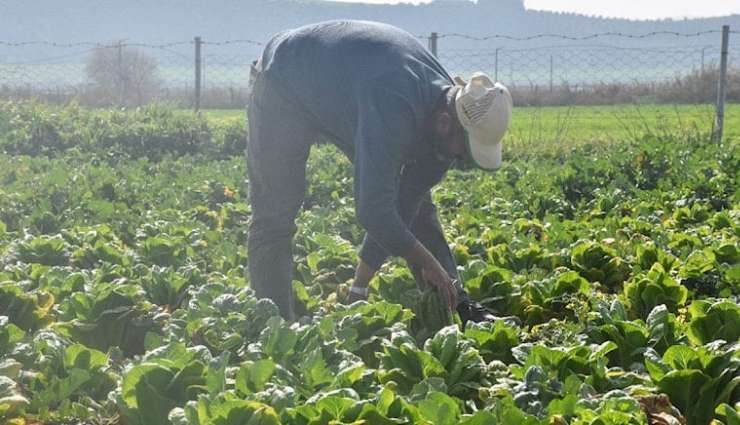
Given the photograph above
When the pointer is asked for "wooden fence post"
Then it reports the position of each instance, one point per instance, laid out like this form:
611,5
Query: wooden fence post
198,63
722,85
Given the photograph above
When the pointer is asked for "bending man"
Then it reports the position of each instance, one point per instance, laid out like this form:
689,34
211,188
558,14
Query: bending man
388,104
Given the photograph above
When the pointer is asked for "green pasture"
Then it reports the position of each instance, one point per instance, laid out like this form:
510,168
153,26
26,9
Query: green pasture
577,124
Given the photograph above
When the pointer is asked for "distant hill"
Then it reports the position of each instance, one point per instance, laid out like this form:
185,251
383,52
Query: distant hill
164,30
173,20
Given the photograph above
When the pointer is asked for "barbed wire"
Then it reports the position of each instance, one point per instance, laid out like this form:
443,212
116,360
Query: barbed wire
564,63
115,44
52,58
425,36
574,37
111,44
229,42
470,52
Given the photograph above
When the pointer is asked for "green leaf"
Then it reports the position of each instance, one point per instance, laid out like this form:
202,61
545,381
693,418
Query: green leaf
335,406
10,334
150,390
570,283
645,292
685,388
26,310
719,321
506,412
315,370
253,375
280,339
46,250
728,415
162,250
10,396
81,357
565,406
494,340
480,417
216,377
697,263
440,409
681,357
312,260
235,412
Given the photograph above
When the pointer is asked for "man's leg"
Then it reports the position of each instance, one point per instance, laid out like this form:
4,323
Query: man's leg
278,148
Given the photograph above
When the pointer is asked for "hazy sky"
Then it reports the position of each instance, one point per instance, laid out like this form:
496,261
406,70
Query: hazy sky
635,9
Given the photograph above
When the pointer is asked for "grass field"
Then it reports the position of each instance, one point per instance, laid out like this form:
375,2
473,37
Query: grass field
576,124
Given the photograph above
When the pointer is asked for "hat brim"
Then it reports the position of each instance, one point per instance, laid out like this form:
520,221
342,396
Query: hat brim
484,155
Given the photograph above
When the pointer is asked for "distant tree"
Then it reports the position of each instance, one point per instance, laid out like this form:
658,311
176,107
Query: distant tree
122,75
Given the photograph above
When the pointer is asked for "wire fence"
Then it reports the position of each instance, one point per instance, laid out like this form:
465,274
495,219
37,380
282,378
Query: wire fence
659,68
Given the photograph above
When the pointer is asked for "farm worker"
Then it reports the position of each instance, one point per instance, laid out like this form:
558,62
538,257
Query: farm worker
376,93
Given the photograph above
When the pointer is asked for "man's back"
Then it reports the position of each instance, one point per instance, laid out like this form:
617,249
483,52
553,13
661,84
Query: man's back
330,67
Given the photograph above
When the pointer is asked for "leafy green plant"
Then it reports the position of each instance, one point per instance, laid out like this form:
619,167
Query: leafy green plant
552,298
444,356
496,290
644,292
633,337
50,251
10,335
12,400
494,340
464,369
361,329
649,254
166,378
224,410
713,321
112,316
700,274
28,311
599,263
83,372
125,298
430,315
697,380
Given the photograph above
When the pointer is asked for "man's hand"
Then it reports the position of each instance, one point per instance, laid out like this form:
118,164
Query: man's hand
433,274
438,278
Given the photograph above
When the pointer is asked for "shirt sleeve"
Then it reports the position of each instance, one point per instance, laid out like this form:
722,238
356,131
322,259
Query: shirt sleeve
386,129
417,178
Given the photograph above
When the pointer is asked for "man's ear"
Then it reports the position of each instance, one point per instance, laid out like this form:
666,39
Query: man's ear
444,124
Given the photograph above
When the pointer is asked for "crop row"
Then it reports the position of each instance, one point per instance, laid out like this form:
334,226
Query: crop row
614,271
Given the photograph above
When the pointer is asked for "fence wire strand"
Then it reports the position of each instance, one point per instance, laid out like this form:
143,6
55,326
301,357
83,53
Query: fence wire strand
675,70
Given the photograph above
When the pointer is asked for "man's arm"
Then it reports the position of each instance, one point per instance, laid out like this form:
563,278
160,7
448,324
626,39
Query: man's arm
417,179
385,130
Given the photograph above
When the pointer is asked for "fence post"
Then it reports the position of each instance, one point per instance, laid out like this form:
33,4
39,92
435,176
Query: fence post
433,43
198,63
721,85
495,65
121,74
551,73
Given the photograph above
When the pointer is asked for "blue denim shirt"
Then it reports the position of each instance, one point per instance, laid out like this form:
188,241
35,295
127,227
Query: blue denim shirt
371,88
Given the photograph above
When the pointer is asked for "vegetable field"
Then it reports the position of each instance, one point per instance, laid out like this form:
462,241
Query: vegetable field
613,265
